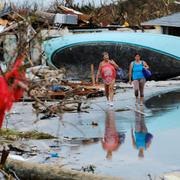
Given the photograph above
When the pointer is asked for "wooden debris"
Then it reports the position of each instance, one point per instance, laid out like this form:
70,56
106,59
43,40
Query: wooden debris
60,107
3,174
122,109
45,16
81,16
63,89
9,134
4,156
3,22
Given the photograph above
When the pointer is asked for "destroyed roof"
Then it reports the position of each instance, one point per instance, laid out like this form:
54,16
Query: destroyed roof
70,10
5,11
81,16
172,20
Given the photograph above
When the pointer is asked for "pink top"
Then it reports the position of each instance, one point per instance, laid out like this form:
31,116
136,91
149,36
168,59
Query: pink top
108,73
111,141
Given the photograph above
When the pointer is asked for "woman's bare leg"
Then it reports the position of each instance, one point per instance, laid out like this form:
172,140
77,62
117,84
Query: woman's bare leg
111,91
136,89
141,89
106,88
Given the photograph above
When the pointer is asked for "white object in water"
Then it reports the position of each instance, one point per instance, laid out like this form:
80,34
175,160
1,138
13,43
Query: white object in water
172,177
138,111
16,157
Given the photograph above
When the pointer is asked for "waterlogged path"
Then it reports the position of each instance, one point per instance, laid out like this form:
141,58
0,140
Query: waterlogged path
124,141
160,153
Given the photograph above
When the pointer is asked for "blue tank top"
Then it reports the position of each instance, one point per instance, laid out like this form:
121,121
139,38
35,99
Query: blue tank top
137,71
140,139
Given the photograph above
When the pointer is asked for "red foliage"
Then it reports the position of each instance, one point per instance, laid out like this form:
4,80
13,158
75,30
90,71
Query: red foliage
10,90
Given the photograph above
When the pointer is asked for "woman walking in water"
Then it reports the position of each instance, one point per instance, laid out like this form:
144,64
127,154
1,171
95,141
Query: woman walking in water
107,69
136,74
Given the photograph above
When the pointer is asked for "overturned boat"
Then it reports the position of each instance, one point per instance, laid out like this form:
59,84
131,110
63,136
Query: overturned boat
78,51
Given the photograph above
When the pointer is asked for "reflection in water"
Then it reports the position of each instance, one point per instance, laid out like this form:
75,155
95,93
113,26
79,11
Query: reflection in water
112,138
141,138
163,103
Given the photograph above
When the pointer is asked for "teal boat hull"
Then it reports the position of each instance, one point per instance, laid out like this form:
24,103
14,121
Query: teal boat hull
77,52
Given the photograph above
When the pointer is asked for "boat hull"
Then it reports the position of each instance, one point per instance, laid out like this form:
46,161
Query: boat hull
77,52
78,59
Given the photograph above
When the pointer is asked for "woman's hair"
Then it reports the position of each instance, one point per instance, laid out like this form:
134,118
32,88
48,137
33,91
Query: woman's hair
136,54
105,53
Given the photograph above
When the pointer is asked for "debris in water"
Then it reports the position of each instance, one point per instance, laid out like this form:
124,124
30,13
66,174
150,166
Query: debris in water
89,168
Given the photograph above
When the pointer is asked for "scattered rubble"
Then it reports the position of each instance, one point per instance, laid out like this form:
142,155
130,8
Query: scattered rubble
48,85
3,174
45,85
12,135
90,168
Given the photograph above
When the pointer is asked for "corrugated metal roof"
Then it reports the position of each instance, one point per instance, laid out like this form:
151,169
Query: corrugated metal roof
172,20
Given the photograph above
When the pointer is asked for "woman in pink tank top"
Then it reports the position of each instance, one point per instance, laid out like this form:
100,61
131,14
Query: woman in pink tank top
107,69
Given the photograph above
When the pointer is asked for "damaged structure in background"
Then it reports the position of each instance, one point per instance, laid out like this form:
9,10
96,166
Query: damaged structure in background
45,83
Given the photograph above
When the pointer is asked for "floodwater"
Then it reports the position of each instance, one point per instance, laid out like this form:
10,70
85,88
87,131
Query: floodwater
135,144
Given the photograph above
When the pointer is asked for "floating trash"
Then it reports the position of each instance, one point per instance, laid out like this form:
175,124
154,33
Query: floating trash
54,155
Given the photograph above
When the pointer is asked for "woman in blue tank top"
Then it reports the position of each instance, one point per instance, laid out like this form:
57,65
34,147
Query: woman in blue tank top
136,74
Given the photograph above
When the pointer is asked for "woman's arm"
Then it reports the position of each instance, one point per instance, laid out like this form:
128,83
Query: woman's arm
145,65
114,64
130,72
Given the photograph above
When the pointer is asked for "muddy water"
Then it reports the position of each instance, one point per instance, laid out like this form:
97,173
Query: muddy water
133,144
